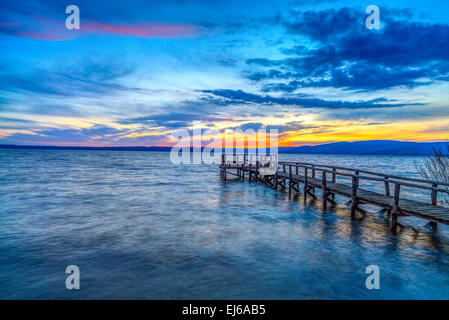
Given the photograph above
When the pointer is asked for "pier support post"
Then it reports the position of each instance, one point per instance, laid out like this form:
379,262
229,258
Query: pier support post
355,186
434,194
395,212
433,225
305,183
289,179
276,181
256,174
313,176
324,187
334,180
387,187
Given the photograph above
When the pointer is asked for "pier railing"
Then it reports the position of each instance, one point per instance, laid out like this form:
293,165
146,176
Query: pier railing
333,180
330,173
310,170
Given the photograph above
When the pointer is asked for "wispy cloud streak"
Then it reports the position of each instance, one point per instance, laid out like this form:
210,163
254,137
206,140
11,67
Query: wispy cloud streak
39,28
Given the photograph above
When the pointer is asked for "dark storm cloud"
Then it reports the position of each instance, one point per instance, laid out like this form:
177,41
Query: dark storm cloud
348,55
239,97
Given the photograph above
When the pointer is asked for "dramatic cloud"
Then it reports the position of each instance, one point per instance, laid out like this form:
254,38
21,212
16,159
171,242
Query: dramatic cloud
241,97
347,55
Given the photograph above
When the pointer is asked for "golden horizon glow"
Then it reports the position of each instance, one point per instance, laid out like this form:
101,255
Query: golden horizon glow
311,130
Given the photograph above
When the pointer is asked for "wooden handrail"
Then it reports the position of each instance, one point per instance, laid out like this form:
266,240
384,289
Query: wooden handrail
324,177
371,173
359,174
385,179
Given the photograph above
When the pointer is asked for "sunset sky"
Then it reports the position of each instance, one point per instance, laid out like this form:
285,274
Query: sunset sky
138,70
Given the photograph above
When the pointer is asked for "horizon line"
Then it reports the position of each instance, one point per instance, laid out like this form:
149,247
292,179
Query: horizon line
202,146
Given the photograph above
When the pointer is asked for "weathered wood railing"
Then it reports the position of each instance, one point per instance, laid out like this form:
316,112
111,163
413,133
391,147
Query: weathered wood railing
358,174
330,178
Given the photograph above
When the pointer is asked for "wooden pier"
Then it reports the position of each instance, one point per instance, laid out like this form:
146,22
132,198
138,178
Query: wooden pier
290,176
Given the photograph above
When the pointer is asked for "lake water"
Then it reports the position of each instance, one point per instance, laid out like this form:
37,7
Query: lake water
140,227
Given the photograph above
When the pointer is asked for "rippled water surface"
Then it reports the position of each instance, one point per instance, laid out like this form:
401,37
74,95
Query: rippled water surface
140,227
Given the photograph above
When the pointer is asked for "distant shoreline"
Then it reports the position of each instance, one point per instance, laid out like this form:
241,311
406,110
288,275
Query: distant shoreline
152,148
371,147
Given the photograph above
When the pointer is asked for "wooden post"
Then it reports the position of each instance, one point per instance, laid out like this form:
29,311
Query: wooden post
334,180
387,187
276,180
289,179
305,182
433,225
313,176
283,167
324,183
395,213
297,173
434,194
355,186
257,170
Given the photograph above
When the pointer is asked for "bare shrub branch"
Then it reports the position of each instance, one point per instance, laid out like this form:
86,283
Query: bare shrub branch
436,167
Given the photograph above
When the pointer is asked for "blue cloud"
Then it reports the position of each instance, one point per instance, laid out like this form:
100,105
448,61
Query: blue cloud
347,55
172,120
86,78
100,133
237,97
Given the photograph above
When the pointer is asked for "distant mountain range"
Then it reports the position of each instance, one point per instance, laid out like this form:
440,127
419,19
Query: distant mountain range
372,147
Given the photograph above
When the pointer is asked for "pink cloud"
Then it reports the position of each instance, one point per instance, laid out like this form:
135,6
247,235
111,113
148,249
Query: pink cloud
143,31
41,28
48,36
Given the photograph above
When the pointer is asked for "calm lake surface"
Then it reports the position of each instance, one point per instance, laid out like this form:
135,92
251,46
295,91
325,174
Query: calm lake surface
140,227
